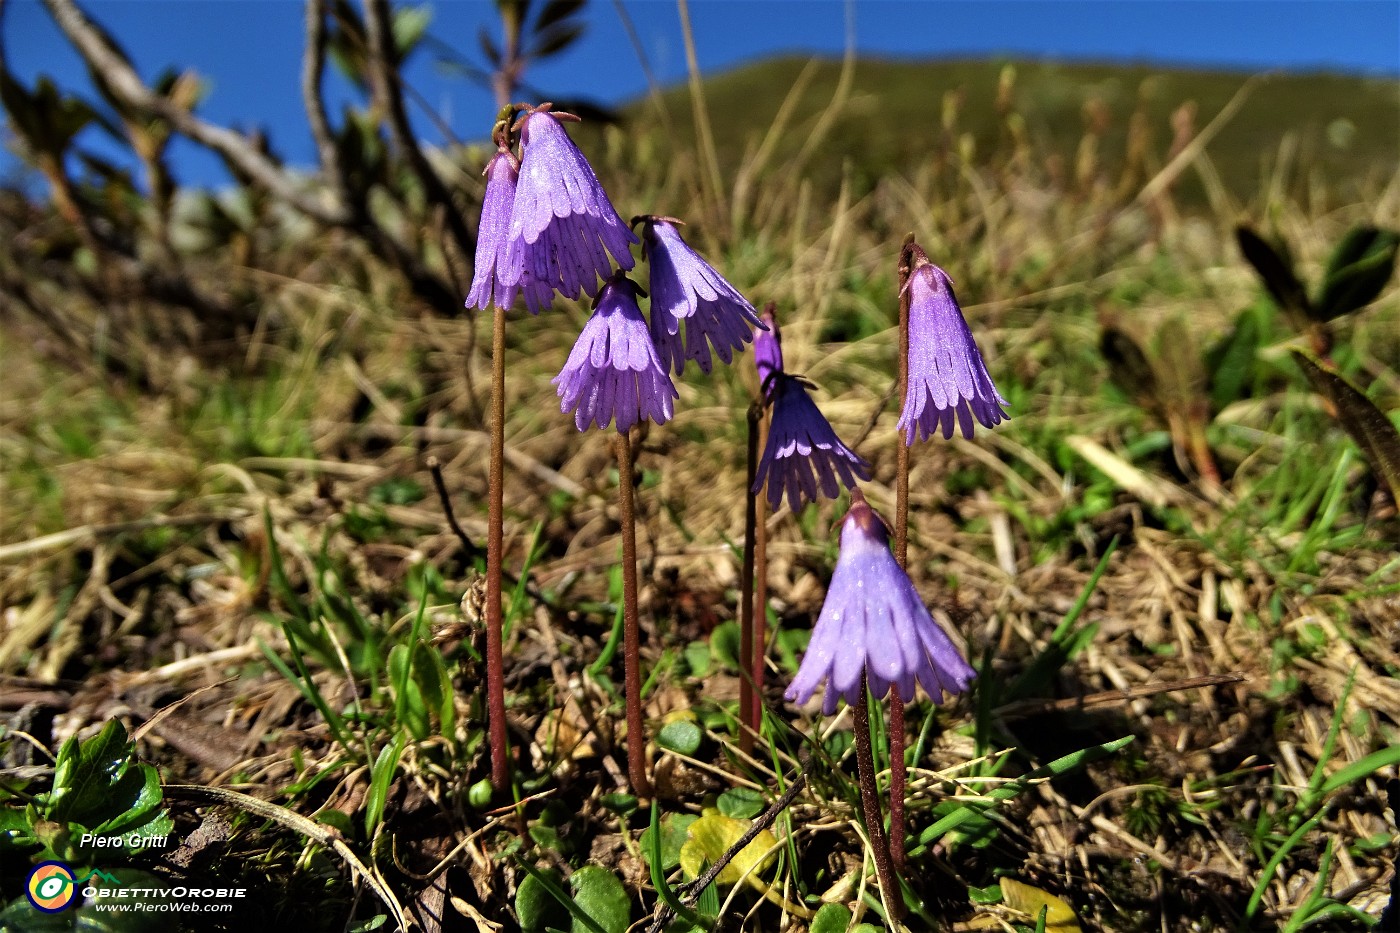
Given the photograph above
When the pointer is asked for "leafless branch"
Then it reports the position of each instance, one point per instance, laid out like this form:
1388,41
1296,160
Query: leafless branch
124,84
384,79
312,67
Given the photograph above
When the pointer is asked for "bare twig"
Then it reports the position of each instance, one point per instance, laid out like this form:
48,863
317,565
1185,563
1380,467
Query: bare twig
125,85
1023,708
473,550
312,66
385,79
691,892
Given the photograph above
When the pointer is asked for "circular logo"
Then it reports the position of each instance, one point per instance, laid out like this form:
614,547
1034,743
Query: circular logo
51,887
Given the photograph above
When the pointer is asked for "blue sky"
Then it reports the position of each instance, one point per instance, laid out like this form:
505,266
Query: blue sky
249,50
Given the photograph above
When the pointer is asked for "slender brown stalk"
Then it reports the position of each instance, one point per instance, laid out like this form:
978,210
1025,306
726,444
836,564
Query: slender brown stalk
495,560
898,775
870,803
631,633
898,778
901,491
749,680
760,616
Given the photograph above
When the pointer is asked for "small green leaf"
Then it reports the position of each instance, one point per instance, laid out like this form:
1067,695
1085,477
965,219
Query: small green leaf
1276,269
987,895
479,794
621,804
1357,271
488,47
85,771
1368,425
410,23
601,895
740,803
831,918
697,658
337,819
682,737
382,775
675,829
557,10
554,39
1230,364
546,837
724,644
536,907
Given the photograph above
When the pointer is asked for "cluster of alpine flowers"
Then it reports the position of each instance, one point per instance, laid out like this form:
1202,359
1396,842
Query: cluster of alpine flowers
873,626
548,227
875,632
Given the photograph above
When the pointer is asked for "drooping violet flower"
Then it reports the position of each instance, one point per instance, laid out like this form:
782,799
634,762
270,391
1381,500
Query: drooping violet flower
768,352
613,371
946,374
873,622
562,225
684,287
803,450
488,279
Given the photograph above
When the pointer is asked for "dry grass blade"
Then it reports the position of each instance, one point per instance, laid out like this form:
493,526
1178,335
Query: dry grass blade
325,835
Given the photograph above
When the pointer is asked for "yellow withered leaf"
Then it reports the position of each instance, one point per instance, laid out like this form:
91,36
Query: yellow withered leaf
1059,916
711,836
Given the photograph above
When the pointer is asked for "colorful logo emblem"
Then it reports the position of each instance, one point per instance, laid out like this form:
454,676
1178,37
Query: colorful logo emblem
51,887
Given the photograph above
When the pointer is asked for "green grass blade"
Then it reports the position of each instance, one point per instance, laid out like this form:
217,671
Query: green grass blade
658,875
1006,792
1358,770
560,895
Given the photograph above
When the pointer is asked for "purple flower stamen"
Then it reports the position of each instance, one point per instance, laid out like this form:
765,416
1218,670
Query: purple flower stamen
562,224
947,377
613,371
686,287
874,623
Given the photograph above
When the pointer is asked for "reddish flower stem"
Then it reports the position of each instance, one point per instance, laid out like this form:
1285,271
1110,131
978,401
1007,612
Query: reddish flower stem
898,778
631,631
495,554
748,680
898,775
870,803
760,618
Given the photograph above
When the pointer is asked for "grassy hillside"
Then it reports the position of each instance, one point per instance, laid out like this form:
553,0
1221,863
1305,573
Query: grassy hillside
1313,127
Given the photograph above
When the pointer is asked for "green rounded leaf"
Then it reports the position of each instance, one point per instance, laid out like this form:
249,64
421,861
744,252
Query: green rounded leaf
724,644
621,804
831,918
601,895
681,737
740,803
675,829
535,907
1357,271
